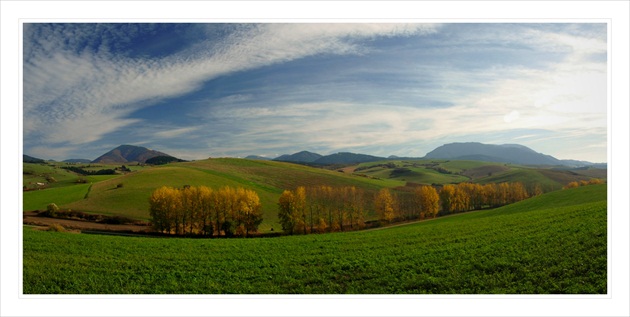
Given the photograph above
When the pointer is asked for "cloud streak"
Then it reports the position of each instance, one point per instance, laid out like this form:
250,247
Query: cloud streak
259,88
64,89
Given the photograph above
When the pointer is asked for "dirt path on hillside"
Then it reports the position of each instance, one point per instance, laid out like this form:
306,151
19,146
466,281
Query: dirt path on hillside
31,218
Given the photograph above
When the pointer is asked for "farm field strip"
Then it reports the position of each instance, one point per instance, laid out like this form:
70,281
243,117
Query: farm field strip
39,199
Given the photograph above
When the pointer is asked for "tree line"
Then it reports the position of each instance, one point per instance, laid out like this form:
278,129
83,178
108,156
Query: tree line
592,181
203,211
321,209
81,171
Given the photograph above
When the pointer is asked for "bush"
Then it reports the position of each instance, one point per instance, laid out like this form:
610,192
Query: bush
116,220
51,210
55,227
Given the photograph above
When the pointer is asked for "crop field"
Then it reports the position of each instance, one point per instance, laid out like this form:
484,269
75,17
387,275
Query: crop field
555,243
38,173
39,199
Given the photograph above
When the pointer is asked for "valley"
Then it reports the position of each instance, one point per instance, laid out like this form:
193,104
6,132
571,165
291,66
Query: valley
455,251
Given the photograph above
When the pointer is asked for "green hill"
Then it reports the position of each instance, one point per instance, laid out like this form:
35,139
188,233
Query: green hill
555,243
424,171
267,178
127,194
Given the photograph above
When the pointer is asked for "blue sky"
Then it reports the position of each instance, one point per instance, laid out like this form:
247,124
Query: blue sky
207,90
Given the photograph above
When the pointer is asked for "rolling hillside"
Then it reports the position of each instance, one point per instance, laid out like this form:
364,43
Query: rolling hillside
555,243
267,178
434,171
127,194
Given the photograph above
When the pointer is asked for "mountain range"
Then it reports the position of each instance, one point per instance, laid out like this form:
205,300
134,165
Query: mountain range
506,153
474,151
299,157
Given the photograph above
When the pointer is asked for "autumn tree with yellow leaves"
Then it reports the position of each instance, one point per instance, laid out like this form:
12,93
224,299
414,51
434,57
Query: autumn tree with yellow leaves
202,211
428,201
385,205
321,209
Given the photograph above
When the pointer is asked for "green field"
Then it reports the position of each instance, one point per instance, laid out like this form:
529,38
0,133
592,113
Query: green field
127,194
555,243
39,199
267,178
454,171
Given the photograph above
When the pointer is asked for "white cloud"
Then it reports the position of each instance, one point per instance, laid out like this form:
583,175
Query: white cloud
80,97
172,133
92,95
512,116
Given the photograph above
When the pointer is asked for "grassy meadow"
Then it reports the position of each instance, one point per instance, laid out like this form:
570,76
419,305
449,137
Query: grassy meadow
428,172
267,178
127,194
555,243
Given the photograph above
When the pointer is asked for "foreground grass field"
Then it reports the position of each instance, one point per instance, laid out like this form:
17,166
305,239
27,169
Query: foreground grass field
554,243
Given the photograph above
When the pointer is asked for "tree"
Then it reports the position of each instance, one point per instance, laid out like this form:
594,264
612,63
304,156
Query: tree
460,200
428,201
536,190
251,210
190,203
446,197
385,205
517,192
489,194
300,208
227,208
286,211
52,210
503,194
163,205
206,208
572,185
193,210
354,198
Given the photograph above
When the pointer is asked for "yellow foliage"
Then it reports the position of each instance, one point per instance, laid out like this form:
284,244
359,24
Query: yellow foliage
385,205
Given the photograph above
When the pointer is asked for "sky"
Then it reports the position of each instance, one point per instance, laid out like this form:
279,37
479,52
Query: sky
227,89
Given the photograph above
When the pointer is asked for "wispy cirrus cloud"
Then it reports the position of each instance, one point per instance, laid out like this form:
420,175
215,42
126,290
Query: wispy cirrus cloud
239,89
79,95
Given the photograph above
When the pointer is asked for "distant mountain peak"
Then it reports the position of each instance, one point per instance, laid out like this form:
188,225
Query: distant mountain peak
128,153
257,157
506,153
299,157
347,158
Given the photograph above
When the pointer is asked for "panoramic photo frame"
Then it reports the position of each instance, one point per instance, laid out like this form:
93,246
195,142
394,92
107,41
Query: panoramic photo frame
509,117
